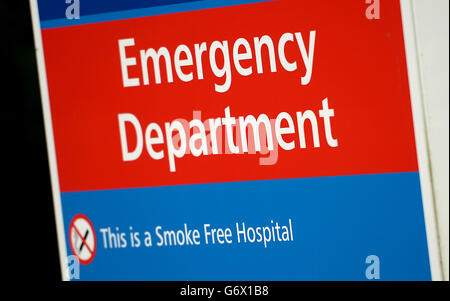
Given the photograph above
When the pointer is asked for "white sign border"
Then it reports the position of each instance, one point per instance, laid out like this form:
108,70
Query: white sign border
45,102
409,35
419,129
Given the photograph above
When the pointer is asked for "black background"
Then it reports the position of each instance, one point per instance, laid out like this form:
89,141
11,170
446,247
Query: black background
29,245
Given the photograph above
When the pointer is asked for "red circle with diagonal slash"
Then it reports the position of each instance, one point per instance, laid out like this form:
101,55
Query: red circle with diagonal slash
72,247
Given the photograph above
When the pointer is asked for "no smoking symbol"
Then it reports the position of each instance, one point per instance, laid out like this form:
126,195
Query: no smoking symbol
83,242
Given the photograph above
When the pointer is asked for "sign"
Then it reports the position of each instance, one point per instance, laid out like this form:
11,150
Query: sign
83,242
236,140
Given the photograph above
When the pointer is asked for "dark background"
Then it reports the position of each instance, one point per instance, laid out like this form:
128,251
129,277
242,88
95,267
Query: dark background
29,245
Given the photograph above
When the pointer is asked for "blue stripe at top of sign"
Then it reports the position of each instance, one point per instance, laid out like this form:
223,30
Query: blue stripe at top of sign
338,225
56,9
50,18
